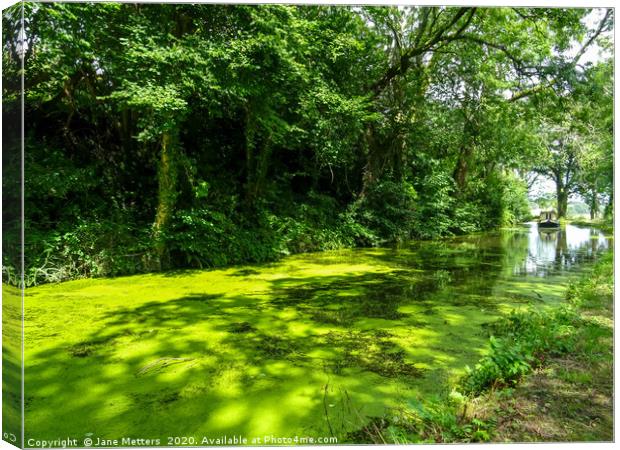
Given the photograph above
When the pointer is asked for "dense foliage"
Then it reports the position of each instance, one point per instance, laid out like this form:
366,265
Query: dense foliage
163,136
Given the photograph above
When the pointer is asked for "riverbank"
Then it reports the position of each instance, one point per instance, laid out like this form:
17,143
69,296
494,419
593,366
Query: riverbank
548,377
570,396
605,225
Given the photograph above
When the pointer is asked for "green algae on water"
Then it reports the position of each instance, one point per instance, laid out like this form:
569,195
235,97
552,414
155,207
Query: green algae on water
314,345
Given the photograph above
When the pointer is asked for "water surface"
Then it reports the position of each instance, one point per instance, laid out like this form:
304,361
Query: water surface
312,345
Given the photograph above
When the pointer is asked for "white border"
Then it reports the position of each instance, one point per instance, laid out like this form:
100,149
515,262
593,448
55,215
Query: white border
484,3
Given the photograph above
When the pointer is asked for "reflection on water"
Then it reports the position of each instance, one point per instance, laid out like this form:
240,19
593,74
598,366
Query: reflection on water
478,270
555,250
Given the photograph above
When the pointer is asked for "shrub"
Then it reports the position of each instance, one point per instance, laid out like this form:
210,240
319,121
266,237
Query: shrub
92,248
201,237
317,225
439,419
506,364
435,204
388,210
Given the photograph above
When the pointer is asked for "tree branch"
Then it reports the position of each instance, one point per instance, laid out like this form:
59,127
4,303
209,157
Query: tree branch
572,63
599,30
400,67
422,26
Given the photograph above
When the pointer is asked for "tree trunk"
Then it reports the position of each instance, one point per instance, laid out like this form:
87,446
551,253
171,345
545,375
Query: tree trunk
167,195
258,173
249,156
609,208
470,133
562,200
371,171
462,167
384,157
257,156
594,205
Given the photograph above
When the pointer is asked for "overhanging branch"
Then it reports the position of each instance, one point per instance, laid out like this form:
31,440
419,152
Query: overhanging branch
573,63
401,66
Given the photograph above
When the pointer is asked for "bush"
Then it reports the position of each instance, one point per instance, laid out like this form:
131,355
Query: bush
486,203
201,237
388,210
435,204
91,249
317,225
505,199
440,419
469,217
515,205
506,364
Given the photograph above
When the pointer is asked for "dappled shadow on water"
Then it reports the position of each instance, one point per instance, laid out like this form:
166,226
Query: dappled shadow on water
343,300
153,369
147,366
213,383
310,354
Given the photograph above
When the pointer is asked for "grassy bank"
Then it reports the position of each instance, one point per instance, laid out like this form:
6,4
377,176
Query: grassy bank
547,377
605,225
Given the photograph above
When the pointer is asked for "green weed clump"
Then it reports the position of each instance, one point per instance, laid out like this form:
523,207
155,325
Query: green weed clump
522,342
595,290
438,420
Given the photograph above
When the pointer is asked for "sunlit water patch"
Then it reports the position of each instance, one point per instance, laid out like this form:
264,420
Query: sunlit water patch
312,345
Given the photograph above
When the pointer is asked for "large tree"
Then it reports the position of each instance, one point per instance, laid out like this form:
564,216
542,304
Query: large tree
175,132
594,115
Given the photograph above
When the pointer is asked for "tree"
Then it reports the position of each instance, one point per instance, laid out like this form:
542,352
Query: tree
196,135
560,162
595,116
577,136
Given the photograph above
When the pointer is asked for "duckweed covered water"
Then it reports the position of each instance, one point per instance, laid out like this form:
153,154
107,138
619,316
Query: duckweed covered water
312,345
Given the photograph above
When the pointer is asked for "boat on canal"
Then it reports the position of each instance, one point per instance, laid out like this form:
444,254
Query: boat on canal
548,219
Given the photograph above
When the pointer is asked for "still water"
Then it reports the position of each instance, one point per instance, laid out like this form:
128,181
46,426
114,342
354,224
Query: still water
552,251
313,345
